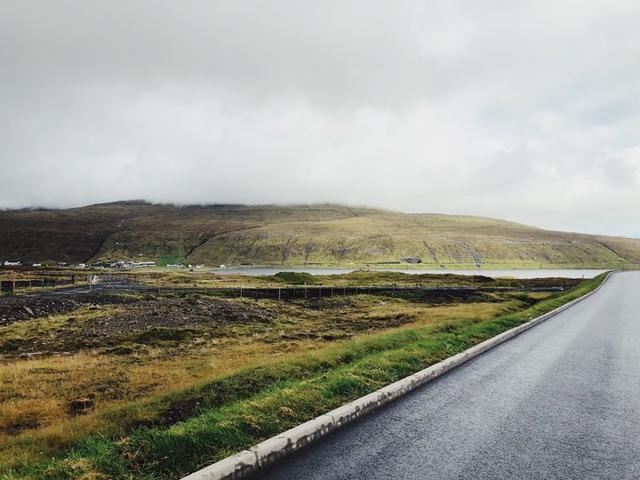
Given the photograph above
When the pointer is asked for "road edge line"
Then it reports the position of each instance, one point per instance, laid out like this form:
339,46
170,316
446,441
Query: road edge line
254,460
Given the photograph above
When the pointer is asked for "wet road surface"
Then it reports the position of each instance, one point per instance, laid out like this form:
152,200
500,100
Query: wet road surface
559,401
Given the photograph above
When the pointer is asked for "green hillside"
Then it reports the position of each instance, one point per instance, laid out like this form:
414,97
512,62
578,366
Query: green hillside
296,235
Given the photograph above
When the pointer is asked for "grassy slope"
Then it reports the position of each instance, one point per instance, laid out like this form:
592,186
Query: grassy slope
237,411
295,235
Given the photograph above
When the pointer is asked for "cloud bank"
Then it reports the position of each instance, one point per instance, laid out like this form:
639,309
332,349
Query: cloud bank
526,110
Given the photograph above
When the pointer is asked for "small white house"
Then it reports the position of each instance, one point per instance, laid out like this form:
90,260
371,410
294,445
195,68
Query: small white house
143,264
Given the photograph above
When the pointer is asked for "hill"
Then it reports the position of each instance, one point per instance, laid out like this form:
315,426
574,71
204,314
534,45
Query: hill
296,235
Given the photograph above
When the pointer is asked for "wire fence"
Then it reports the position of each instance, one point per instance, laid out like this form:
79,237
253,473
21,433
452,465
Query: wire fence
10,286
315,291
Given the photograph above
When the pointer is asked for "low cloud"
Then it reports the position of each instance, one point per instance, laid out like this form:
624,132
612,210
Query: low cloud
520,110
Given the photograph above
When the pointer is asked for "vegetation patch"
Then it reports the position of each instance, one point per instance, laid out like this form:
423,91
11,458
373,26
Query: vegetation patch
166,435
298,235
296,278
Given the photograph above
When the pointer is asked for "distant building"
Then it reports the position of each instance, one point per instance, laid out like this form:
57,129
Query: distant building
143,264
12,263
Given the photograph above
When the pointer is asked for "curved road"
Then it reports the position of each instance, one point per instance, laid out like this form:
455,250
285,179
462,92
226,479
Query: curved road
561,401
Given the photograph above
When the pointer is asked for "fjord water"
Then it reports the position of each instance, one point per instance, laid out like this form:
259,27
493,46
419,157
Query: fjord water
515,273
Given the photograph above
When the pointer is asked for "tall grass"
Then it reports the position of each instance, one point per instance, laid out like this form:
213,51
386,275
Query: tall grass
237,411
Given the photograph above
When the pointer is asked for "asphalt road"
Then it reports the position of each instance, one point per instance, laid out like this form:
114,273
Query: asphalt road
561,401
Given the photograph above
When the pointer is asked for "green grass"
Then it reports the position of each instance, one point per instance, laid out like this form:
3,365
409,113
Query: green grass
242,409
311,235
170,259
295,278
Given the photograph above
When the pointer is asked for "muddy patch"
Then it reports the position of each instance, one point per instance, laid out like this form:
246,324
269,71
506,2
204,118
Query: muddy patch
17,308
176,313
135,321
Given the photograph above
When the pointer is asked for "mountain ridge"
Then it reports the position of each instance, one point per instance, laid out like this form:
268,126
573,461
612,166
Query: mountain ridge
314,234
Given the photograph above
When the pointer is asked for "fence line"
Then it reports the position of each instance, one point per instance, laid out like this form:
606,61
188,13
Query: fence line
324,291
11,286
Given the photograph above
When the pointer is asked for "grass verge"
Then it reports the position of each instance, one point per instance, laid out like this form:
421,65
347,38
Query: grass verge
205,424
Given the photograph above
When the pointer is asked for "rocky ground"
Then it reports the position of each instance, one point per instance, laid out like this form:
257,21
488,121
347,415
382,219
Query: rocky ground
68,324
25,307
192,311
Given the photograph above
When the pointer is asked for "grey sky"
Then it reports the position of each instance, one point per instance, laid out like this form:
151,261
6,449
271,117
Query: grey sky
526,110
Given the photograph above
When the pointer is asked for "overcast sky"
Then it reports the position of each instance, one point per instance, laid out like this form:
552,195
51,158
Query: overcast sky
524,110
